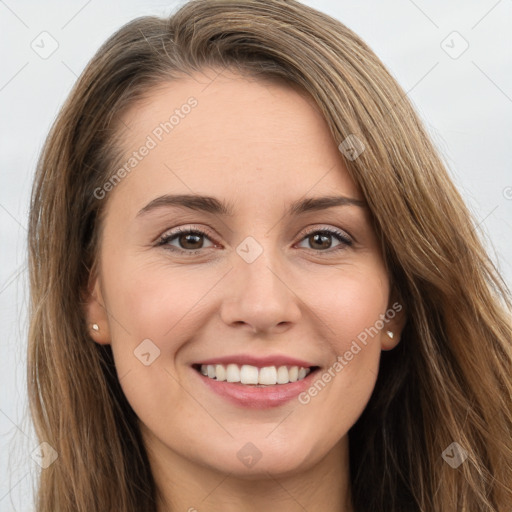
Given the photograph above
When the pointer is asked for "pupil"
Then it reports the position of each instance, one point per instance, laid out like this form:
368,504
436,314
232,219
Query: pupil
188,236
319,237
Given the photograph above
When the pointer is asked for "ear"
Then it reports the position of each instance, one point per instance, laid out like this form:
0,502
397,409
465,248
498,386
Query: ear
95,311
394,322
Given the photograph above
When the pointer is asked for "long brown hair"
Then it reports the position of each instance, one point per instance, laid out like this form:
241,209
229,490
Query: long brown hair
449,379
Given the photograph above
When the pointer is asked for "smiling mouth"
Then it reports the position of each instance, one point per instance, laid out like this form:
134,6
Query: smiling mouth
249,375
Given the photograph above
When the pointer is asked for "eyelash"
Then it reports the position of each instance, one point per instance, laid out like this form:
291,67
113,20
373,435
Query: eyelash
341,236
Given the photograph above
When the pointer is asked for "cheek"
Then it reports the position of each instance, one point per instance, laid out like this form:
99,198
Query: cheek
155,310
157,301
351,310
350,303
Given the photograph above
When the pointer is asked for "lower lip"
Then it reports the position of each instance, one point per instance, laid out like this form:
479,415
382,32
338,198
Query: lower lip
255,397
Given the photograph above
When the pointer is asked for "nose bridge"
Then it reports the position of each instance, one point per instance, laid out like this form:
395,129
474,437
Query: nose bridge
258,264
260,294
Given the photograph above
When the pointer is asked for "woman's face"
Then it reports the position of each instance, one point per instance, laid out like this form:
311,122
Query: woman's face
278,281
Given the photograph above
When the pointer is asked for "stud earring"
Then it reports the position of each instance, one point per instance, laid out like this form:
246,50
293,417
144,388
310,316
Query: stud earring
95,327
390,334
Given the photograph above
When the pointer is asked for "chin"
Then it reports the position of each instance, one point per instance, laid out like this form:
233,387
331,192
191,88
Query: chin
261,458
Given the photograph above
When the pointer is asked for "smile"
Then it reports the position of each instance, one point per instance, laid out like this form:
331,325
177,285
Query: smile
252,375
268,382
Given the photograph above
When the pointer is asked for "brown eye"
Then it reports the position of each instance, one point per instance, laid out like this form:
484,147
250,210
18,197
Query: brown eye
188,241
321,240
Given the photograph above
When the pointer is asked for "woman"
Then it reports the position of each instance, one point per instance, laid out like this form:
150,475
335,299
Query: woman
337,339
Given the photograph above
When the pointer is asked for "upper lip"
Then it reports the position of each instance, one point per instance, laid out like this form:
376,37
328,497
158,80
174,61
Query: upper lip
260,362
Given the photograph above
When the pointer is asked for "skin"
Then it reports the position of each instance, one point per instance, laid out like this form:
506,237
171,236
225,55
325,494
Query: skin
258,146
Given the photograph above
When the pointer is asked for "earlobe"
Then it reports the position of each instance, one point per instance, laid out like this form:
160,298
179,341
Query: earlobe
395,322
96,315
390,340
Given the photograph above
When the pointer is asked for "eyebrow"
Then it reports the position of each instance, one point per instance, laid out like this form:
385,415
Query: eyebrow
213,205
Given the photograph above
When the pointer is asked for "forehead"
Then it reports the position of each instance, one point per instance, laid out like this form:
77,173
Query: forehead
230,136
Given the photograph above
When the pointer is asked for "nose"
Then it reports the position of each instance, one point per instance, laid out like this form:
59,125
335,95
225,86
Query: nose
260,297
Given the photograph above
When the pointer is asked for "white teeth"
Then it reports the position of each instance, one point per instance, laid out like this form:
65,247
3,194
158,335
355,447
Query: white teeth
293,374
283,375
252,375
232,373
249,374
268,376
220,372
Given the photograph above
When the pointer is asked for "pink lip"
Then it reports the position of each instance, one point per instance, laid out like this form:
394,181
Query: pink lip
255,397
260,362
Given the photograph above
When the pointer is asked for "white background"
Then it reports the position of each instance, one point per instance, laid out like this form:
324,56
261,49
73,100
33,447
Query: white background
465,103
